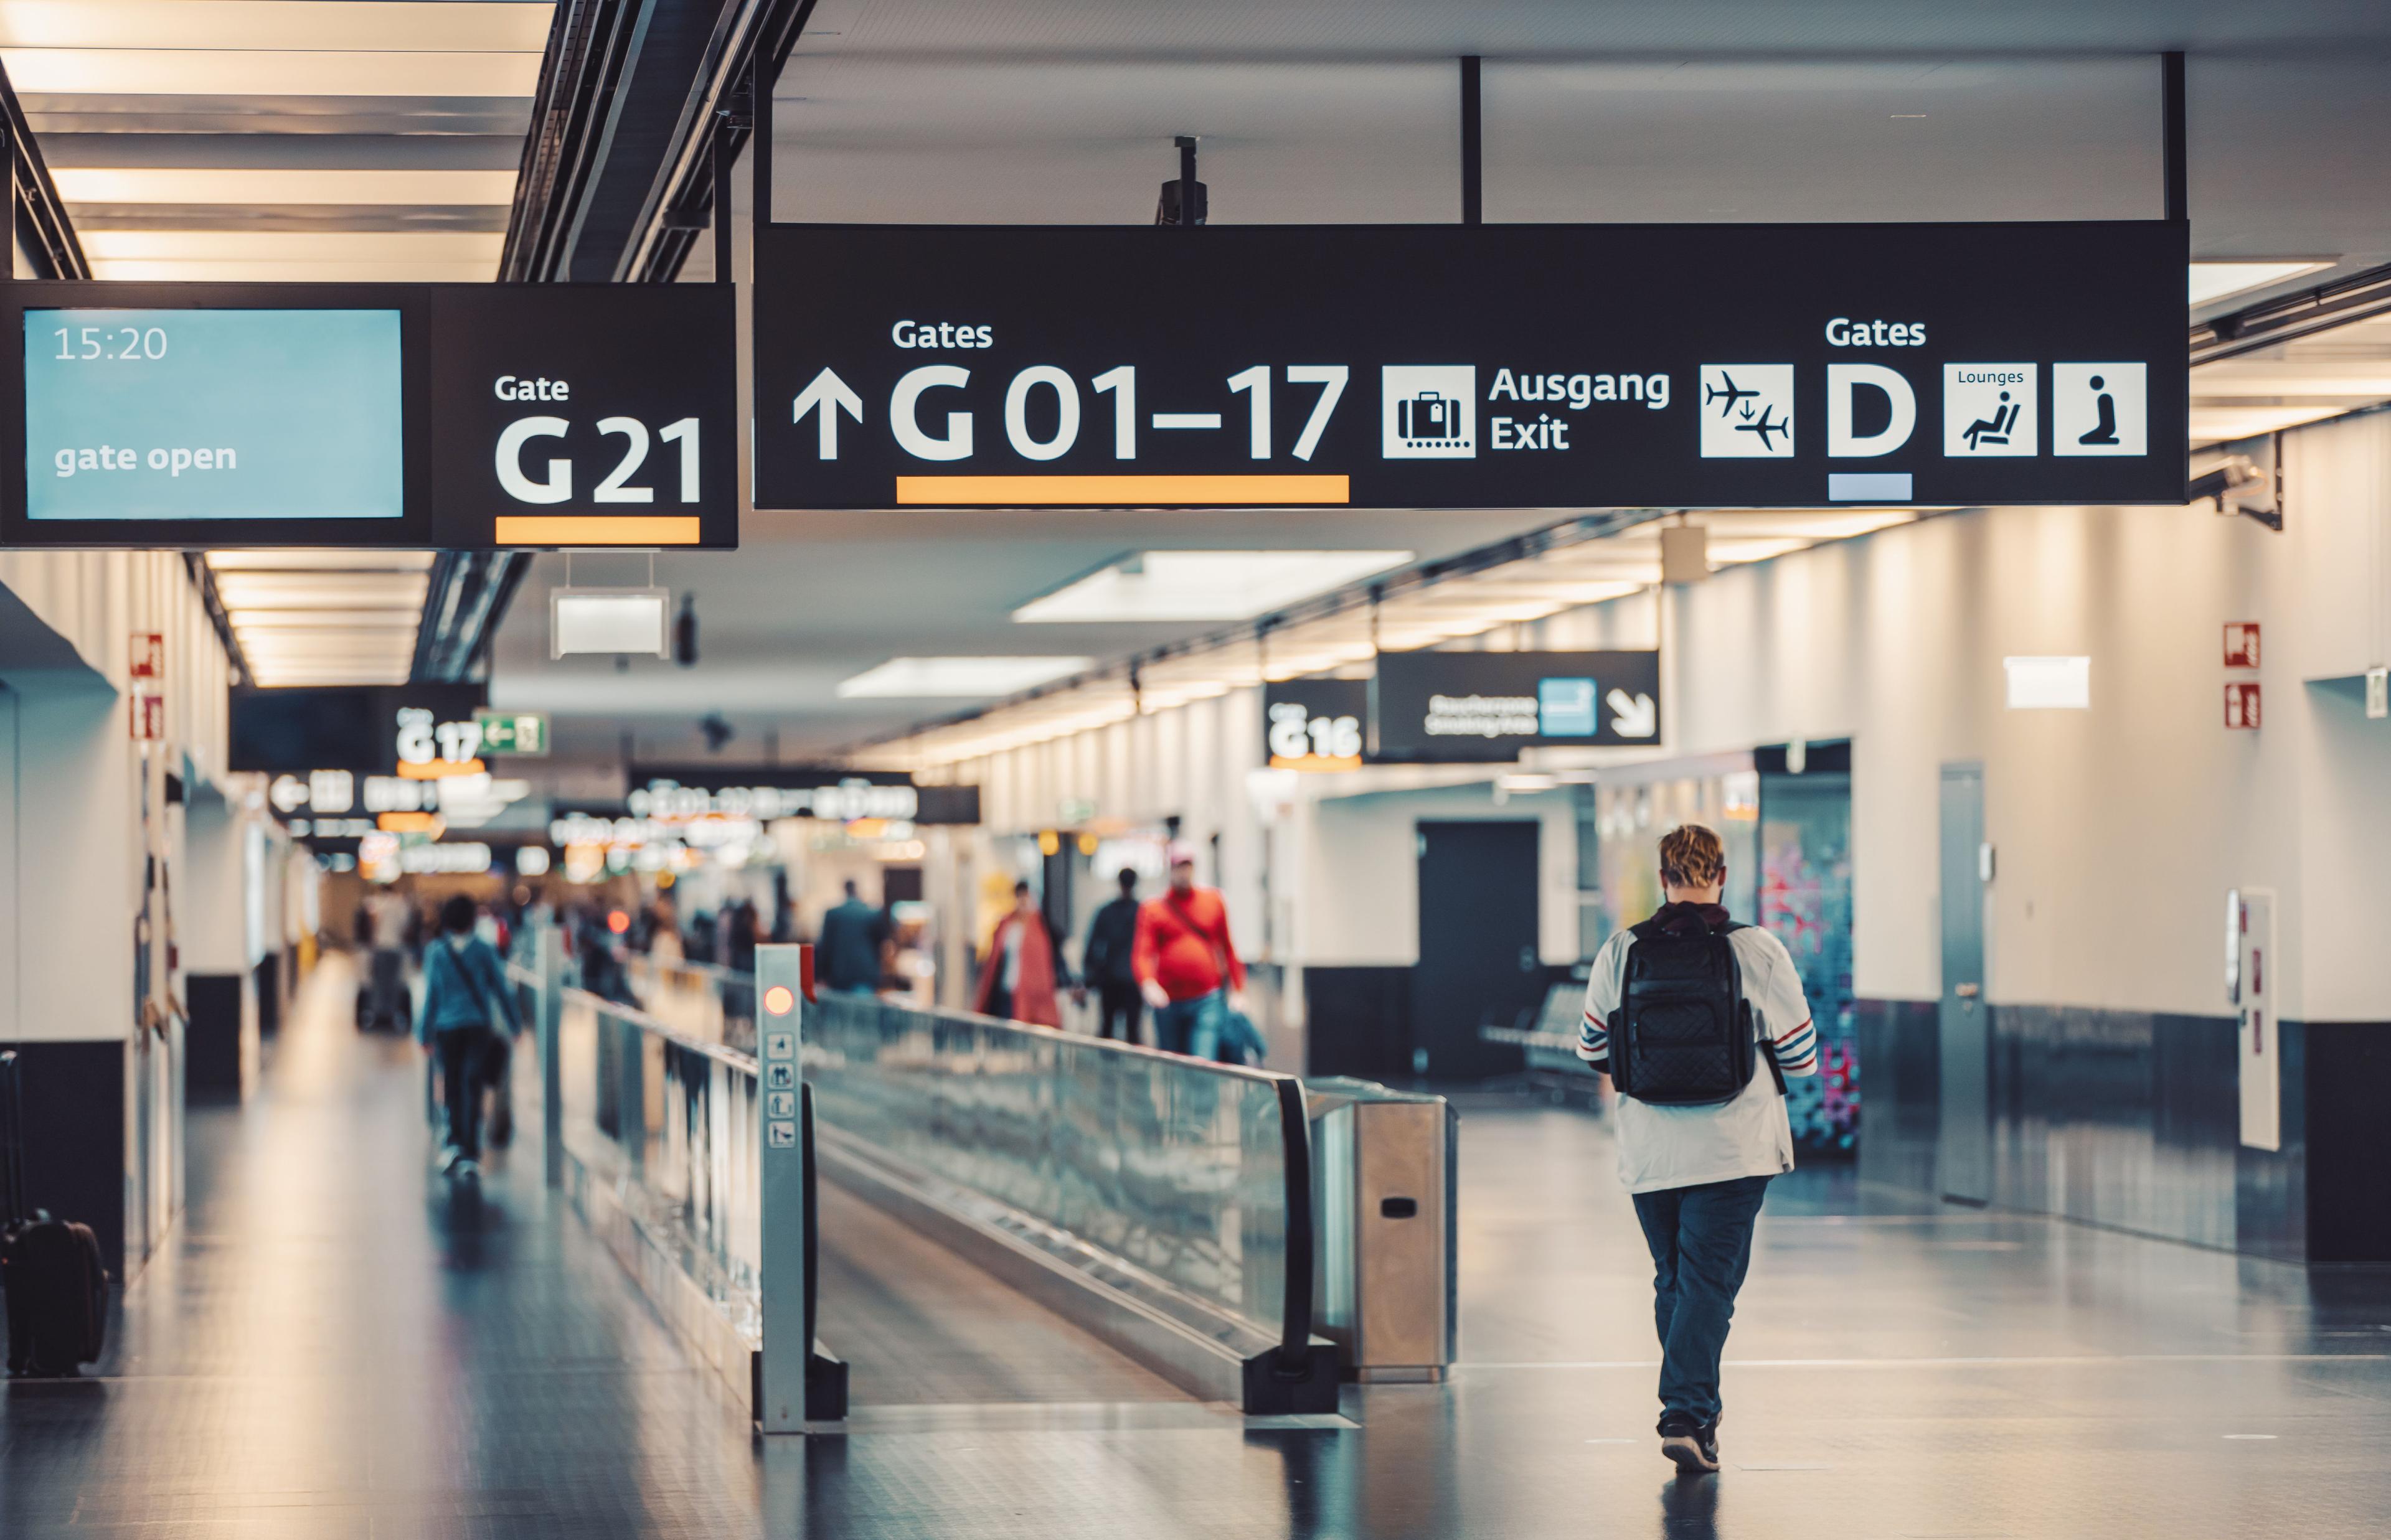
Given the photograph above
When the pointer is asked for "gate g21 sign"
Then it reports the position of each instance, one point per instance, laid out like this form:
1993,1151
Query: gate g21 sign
1496,366
455,415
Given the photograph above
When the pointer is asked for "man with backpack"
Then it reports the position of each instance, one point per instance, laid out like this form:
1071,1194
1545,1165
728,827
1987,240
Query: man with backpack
1697,1021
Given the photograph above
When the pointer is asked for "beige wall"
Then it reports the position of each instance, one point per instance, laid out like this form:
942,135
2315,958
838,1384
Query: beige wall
2117,830
81,780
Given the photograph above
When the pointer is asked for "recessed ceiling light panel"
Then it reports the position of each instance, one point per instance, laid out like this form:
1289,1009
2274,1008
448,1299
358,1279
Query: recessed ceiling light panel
959,678
1204,586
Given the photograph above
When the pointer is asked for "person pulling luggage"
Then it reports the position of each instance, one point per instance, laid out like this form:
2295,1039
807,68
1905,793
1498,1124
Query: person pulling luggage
469,1015
1682,1012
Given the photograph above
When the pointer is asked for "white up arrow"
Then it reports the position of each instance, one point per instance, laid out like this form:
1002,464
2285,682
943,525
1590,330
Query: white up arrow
829,393
1632,715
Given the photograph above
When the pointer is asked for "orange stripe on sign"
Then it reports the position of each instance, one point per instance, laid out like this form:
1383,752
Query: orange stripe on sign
573,528
1119,490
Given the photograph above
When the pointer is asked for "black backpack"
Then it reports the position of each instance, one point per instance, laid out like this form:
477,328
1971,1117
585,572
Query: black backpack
1683,1035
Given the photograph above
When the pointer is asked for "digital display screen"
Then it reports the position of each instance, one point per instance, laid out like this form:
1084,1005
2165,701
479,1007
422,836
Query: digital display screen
212,415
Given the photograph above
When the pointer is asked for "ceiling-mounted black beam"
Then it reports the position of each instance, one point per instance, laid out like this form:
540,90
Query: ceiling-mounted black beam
37,217
2269,323
2175,144
463,604
736,98
1473,161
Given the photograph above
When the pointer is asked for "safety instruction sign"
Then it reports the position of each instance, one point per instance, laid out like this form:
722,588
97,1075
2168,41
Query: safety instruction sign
1497,365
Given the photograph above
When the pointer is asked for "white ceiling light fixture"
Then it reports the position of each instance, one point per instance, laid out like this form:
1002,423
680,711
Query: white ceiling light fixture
1203,585
958,678
304,617
2212,281
623,621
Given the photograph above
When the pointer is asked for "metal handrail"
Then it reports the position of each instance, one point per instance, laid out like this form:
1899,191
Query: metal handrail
745,1062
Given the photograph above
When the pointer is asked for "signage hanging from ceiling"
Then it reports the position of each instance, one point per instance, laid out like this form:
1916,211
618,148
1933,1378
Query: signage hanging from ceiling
1495,366
367,729
451,415
768,791
1314,725
1445,707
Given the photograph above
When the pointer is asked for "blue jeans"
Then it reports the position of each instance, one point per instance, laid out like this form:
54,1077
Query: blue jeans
1701,1246
1192,1027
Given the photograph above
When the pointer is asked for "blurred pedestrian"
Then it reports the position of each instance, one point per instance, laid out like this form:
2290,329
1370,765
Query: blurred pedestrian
1017,980
1187,966
1108,964
469,1015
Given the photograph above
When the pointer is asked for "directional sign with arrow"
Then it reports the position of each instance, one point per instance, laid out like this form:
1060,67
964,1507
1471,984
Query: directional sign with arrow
1475,706
1633,716
828,395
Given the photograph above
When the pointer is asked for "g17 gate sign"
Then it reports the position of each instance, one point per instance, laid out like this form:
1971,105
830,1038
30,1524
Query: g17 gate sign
1500,365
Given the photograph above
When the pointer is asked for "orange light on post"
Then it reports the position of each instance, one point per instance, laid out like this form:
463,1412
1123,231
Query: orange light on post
618,922
779,1000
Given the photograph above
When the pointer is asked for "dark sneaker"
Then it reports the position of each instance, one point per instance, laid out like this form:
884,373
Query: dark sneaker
1693,1446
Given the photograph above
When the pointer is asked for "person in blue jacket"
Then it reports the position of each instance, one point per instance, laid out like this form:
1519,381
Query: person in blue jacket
469,1017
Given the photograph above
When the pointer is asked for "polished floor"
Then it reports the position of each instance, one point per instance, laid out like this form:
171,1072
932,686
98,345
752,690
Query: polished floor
334,1345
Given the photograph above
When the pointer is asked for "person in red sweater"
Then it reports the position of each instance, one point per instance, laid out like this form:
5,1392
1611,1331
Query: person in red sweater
1187,966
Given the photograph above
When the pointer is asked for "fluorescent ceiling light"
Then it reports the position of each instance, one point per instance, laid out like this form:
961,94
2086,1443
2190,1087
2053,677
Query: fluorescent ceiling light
2212,281
1204,586
267,72
329,246
251,270
959,678
358,561
393,26
280,184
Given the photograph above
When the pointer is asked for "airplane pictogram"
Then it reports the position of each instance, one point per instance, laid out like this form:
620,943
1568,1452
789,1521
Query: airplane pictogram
1763,426
1756,414
1730,392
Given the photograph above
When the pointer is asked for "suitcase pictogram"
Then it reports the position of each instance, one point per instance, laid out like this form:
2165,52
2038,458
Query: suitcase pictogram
1429,416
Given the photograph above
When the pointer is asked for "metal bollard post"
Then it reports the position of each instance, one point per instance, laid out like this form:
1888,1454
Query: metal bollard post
548,960
780,1007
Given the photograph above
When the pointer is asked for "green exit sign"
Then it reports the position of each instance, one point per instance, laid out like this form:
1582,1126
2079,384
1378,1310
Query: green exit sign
513,732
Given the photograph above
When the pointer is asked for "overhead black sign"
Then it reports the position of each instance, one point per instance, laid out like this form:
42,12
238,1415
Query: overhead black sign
767,791
352,727
1316,723
1496,366
455,415
1434,707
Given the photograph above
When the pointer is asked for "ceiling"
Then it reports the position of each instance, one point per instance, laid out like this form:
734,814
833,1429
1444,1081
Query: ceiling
274,139
1063,112
379,139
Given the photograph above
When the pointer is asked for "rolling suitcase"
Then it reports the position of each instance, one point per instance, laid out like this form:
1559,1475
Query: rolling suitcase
50,1273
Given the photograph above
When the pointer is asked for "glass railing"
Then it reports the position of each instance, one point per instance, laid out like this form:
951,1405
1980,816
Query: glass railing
667,1122
1196,1173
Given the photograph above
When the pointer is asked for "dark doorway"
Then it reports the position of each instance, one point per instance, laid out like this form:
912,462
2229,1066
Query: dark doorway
1480,963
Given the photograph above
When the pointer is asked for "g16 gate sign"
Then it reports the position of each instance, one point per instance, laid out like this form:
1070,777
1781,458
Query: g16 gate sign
1511,365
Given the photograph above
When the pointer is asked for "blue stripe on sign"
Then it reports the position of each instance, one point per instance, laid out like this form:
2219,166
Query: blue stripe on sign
1876,486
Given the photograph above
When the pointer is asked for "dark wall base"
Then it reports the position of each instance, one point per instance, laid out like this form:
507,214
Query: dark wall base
267,975
216,1047
2132,1118
2348,1166
75,1138
1900,1050
1358,1021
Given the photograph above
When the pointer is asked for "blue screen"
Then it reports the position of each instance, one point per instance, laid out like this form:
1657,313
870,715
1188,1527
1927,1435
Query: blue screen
212,414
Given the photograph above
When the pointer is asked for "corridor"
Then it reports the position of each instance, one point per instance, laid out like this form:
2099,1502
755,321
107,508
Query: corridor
334,1345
